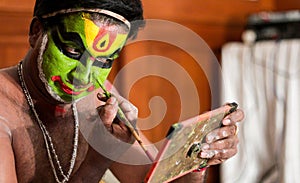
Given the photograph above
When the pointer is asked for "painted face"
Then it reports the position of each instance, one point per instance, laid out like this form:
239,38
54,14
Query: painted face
79,54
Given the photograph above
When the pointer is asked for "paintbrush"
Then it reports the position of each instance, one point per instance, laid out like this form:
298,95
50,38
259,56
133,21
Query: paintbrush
122,117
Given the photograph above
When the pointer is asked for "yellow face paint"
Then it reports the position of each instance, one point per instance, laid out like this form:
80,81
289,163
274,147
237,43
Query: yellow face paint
103,39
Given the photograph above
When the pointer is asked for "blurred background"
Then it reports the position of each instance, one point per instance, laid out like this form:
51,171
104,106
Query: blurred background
216,22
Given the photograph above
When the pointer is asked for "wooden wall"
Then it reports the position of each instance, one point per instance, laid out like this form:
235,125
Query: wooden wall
282,5
15,17
216,21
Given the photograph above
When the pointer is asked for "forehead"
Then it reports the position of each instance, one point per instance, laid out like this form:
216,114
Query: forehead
79,20
98,32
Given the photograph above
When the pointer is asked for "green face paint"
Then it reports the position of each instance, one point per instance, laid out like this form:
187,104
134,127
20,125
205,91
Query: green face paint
79,54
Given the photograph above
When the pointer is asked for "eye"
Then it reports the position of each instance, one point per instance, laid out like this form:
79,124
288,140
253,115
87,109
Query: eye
106,62
69,43
103,62
72,52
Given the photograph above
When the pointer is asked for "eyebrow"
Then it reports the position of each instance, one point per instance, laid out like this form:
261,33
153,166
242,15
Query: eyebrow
67,36
73,37
115,52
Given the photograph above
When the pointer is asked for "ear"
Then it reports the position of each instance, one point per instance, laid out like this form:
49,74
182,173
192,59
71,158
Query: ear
35,31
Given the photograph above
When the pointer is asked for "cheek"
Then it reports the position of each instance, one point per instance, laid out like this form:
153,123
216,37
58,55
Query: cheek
100,75
50,64
55,63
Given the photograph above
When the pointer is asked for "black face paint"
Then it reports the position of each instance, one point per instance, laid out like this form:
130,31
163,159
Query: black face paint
71,45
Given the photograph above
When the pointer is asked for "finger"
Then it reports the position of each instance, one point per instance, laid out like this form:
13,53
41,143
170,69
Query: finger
215,161
122,132
218,154
108,111
236,130
125,104
234,117
225,153
129,110
127,107
222,155
220,133
227,143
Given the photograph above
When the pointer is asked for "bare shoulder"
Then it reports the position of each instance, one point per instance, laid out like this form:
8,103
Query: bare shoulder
9,85
12,101
9,99
8,74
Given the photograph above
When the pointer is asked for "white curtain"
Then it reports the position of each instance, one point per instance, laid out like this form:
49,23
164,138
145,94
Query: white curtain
264,79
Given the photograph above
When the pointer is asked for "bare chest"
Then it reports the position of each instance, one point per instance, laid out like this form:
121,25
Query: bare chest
32,154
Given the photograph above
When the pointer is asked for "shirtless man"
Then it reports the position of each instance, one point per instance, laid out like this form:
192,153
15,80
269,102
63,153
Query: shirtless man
46,97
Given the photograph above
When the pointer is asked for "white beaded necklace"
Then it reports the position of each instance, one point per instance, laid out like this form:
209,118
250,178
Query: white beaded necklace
47,138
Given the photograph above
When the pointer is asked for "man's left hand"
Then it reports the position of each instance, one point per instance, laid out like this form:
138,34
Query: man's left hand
221,144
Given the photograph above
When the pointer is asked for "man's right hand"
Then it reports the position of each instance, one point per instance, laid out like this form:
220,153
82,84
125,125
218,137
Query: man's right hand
110,119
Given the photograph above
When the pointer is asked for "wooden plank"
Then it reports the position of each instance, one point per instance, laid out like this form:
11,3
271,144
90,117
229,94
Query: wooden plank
212,11
14,23
17,5
282,5
12,54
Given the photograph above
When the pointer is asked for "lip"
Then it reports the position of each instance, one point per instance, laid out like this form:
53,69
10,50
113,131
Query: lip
67,89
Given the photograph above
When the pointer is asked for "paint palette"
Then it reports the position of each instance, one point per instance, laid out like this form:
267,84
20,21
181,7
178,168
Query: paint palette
179,154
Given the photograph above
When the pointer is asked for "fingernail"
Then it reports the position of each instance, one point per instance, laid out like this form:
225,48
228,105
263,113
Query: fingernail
208,154
209,138
112,100
100,95
225,134
226,121
203,155
205,146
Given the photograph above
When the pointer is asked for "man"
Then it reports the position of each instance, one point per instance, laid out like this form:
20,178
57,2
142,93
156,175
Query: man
45,99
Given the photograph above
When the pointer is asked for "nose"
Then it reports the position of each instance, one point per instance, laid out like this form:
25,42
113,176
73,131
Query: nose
81,75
